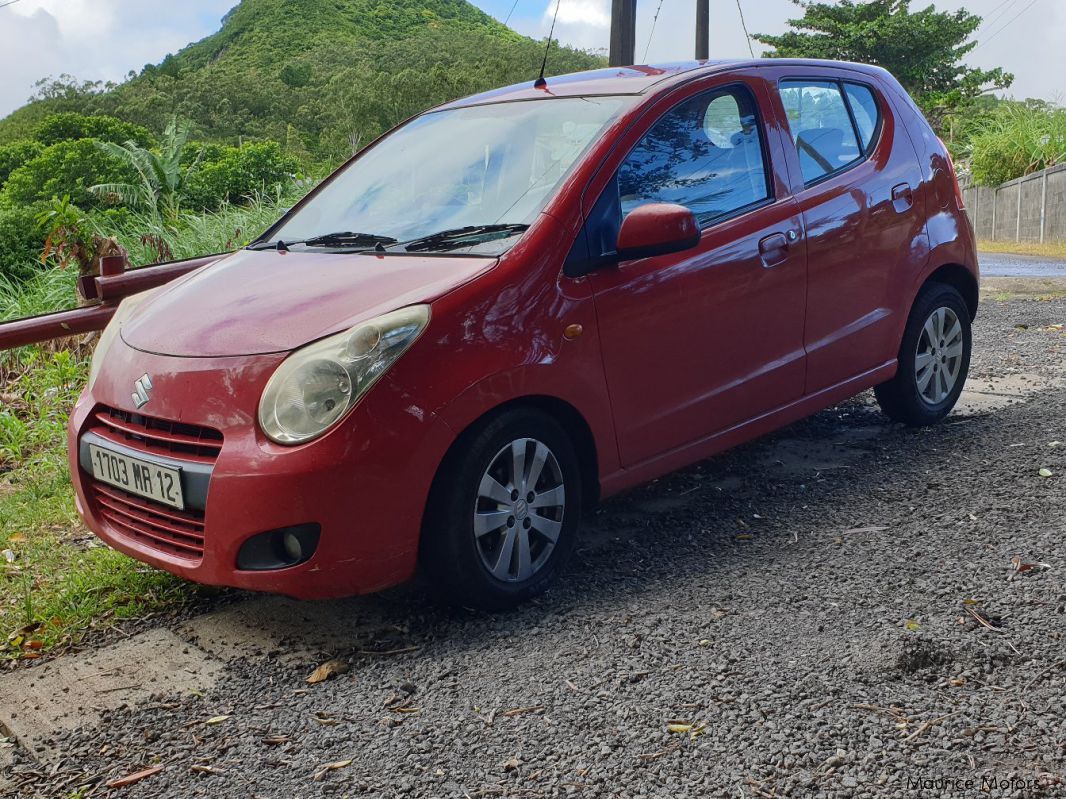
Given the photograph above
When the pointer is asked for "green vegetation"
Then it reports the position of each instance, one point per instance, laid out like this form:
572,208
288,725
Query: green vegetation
1017,139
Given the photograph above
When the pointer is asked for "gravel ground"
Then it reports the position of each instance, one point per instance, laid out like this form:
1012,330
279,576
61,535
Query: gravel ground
830,612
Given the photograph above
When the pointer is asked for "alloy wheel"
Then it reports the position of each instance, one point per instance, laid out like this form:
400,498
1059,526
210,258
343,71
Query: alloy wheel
518,514
938,360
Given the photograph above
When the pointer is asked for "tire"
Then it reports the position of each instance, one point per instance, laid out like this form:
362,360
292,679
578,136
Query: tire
477,517
934,359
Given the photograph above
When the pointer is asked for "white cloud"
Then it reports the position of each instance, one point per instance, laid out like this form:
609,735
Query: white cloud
94,39
594,13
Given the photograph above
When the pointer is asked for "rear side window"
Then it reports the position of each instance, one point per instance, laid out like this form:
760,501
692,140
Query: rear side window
706,154
821,127
866,112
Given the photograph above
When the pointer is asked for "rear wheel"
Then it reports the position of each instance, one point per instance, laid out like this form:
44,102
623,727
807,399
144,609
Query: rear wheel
934,359
503,513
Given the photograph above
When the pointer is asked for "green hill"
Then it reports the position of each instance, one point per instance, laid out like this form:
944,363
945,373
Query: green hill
319,76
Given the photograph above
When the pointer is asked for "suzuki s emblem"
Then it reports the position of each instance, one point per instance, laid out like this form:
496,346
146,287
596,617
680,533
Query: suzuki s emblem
140,391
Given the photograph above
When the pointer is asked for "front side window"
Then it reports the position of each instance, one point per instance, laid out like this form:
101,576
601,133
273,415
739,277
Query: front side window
488,168
705,154
821,127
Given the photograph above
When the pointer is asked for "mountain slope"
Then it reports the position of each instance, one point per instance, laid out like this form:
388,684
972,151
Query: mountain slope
318,75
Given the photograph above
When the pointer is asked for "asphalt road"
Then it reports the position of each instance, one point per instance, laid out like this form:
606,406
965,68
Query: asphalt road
995,264
828,612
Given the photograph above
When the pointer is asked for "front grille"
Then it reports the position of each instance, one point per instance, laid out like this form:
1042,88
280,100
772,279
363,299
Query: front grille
160,436
179,533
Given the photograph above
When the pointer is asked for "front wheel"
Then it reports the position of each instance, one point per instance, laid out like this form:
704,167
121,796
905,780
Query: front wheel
934,358
503,512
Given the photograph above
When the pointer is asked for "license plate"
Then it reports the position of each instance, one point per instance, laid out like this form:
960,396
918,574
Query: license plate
142,478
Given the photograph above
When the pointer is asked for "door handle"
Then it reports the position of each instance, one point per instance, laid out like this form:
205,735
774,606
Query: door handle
902,197
773,249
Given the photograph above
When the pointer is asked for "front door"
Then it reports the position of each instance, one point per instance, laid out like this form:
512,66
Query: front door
699,341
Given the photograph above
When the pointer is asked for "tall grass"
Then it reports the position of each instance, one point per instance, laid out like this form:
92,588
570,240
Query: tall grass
148,241
1019,138
49,290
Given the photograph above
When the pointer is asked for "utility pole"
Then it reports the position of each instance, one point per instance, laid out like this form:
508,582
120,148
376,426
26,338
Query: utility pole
623,32
703,29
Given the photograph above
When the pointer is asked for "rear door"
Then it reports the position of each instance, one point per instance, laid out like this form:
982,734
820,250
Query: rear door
855,176
698,341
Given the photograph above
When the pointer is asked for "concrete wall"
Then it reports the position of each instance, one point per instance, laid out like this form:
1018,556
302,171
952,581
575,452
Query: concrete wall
1030,209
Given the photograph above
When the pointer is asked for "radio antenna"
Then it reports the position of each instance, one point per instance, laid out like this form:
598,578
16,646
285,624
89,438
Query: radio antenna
540,83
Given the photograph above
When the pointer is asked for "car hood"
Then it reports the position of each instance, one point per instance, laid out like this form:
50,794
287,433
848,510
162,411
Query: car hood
257,302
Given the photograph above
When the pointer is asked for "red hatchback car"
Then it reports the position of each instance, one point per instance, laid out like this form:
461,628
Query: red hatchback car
520,302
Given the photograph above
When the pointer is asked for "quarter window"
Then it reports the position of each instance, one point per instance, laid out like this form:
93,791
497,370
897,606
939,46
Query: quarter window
864,109
705,154
821,127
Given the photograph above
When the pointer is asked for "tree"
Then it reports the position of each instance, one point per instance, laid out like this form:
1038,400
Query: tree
69,167
162,175
70,125
923,49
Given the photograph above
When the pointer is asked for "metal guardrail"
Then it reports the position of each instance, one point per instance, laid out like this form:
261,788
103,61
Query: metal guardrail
114,283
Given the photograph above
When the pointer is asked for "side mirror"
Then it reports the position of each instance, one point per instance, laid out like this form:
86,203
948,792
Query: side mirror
657,229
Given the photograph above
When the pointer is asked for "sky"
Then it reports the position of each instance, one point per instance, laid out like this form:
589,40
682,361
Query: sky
105,39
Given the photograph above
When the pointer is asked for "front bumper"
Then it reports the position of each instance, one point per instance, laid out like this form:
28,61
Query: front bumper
365,482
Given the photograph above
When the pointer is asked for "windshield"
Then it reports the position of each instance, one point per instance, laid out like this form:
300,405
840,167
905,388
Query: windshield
480,174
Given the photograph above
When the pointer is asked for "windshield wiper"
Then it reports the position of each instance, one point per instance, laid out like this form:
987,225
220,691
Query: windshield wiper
340,239
461,236
346,237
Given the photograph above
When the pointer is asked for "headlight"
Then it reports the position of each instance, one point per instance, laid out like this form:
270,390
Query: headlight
107,338
314,387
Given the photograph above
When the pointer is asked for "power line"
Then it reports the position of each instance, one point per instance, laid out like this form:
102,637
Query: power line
652,33
513,7
1003,27
997,13
744,27
8,3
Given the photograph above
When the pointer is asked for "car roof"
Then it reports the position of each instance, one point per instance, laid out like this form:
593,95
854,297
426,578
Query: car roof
635,80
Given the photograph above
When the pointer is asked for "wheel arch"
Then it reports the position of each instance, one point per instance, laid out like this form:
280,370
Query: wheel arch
962,280
569,418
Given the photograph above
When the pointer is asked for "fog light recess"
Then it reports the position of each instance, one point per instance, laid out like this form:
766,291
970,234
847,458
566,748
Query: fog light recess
279,549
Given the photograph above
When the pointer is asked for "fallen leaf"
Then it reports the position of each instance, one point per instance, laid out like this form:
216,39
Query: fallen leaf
216,720
202,769
512,764
130,779
16,538
744,536
276,740
35,644
705,642
911,625
322,772
679,728
1045,472
331,668
1020,567
1051,444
